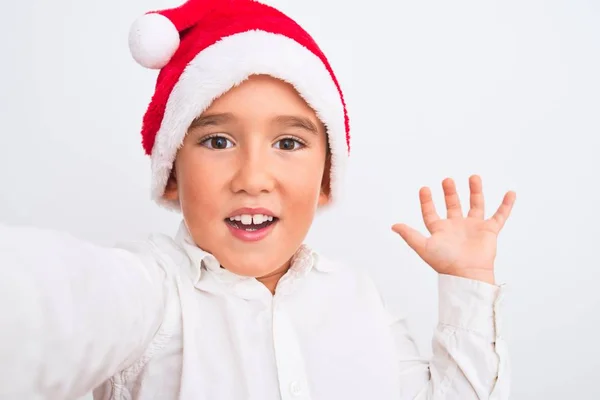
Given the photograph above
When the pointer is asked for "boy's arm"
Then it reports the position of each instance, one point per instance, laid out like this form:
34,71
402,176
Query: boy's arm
469,358
469,355
72,313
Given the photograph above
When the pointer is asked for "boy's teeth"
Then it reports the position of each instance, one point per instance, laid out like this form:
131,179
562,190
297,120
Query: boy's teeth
247,219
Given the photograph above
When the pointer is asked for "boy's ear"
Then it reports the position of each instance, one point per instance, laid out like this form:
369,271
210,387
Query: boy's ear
171,190
325,195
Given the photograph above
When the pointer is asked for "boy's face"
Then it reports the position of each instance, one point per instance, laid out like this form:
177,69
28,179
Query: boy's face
257,155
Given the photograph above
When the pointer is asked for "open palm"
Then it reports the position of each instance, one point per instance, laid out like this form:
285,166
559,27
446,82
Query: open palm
459,245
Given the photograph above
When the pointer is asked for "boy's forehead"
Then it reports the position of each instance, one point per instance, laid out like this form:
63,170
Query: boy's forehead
265,89
265,96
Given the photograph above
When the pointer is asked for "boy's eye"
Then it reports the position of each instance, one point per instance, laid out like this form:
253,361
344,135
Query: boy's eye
289,144
217,143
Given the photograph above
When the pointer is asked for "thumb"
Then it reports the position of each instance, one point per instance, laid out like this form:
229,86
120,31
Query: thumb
412,237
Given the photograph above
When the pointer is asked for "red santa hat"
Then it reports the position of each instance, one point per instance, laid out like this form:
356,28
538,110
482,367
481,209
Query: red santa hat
203,48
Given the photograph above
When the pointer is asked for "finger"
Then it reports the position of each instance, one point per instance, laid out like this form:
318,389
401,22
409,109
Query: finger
451,197
477,209
427,207
504,210
412,237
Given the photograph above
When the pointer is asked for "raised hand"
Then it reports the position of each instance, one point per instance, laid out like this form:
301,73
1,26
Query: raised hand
459,245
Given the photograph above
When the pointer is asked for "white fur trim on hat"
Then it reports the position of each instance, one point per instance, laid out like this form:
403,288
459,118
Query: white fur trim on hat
229,62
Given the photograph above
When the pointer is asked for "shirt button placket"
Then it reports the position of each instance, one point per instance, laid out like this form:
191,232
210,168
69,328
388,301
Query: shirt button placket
289,360
295,389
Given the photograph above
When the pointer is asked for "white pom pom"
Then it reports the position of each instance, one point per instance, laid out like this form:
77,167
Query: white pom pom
153,39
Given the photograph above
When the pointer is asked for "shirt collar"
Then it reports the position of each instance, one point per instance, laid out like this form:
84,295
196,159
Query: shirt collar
303,261
198,257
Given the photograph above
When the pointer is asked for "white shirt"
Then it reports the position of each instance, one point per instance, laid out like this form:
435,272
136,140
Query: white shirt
161,319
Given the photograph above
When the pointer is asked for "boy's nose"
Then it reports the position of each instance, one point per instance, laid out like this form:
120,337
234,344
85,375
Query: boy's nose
253,176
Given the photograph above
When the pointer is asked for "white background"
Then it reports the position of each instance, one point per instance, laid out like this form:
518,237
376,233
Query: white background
506,89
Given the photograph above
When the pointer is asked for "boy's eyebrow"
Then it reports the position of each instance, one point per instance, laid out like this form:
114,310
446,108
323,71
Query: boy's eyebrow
211,120
223,118
298,122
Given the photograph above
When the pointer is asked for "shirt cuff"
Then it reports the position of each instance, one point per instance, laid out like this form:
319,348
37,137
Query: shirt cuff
470,305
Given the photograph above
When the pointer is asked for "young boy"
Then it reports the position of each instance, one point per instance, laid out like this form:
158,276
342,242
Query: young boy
248,136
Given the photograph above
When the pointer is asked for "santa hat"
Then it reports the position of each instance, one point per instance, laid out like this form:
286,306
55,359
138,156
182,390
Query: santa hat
203,48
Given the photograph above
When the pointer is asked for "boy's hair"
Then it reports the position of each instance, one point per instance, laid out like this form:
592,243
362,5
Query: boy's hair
203,48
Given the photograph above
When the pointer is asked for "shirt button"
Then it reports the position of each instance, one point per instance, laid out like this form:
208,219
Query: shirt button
295,389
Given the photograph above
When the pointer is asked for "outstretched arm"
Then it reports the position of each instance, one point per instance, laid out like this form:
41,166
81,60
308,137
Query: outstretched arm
469,356
72,313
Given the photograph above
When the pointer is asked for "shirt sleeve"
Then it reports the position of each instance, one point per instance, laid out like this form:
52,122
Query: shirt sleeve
72,313
469,360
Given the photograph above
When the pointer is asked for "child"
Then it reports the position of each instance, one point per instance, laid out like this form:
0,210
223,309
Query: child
248,136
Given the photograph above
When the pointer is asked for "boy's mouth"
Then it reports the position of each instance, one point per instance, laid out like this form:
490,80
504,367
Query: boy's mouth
251,224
